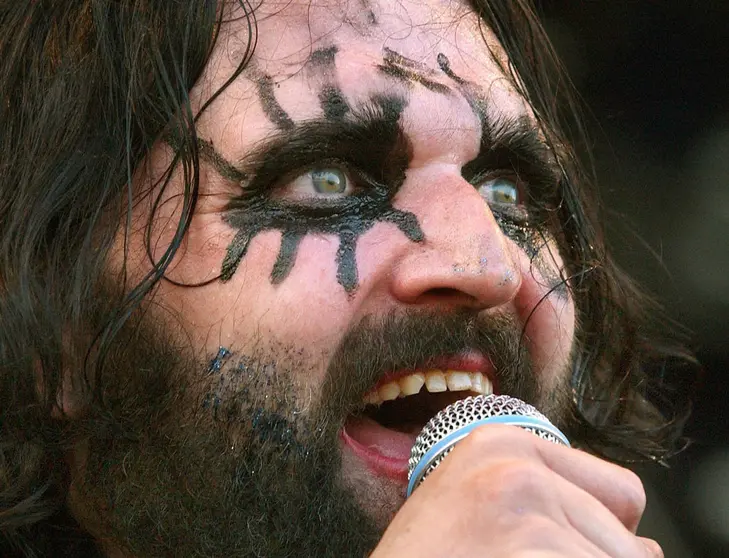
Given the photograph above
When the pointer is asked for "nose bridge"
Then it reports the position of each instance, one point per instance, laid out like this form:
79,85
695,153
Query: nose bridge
465,252
462,228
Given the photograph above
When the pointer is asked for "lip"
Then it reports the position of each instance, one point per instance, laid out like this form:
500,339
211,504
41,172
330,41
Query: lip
467,362
382,450
393,466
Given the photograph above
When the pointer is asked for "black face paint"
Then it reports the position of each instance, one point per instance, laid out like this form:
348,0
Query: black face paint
213,400
270,104
239,380
545,263
534,243
472,92
332,100
333,103
286,257
509,145
324,57
208,153
513,147
269,426
216,364
409,71
370,145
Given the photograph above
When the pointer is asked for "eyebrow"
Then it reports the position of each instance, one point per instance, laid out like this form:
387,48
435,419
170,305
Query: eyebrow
208,153
371,138
516,143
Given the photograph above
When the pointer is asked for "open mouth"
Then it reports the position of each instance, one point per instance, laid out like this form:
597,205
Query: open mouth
409,402
395,412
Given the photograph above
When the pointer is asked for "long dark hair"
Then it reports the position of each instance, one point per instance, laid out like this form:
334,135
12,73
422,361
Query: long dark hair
88,87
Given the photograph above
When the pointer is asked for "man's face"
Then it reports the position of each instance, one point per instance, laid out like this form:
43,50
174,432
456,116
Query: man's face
362,227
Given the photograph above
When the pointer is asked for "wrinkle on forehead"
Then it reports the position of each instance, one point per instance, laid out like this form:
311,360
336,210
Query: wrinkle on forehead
309,11
296,37
289,31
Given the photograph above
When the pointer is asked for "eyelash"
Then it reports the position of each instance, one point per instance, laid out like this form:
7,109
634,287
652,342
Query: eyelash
365,190
365,187
505,174
270,183
357,179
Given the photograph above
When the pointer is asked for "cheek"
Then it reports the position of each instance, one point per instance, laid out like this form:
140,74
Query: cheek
549,318
307,309
156,217
378,253
309,304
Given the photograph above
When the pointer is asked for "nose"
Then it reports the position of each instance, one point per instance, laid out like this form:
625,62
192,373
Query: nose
465,259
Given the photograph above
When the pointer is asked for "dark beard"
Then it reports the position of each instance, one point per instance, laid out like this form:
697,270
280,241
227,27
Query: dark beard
219,459
189,459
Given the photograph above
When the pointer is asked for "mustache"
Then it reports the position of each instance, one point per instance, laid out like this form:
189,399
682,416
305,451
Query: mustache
416,339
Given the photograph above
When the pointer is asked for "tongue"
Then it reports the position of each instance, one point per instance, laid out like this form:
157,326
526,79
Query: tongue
376,438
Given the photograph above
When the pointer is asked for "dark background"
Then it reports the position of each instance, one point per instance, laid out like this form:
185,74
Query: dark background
654,75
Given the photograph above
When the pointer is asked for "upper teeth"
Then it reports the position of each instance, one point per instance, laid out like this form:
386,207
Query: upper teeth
435,381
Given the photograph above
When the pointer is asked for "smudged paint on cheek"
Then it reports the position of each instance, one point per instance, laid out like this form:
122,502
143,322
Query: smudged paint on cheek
212,399
536,246
244,393
270,426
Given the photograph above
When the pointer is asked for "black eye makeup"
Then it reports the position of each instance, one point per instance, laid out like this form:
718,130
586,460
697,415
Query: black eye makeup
514,168
518,177
325,177
338,174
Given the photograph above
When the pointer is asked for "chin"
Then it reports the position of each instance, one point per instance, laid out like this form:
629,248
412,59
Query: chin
379,495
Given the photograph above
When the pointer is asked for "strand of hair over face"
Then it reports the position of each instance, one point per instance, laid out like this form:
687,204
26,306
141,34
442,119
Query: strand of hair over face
88,88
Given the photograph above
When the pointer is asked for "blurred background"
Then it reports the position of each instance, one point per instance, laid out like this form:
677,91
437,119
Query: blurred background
654,75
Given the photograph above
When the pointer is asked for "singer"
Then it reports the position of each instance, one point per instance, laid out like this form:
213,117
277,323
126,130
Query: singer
248,250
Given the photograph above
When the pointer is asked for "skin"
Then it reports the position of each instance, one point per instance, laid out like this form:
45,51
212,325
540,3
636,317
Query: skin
285,284
394,271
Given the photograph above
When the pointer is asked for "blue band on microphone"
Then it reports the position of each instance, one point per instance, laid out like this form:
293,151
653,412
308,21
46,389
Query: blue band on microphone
457,435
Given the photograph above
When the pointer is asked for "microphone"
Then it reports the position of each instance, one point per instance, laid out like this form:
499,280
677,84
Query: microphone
456,421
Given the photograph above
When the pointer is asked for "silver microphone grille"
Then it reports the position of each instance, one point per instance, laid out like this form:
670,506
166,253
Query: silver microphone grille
456,421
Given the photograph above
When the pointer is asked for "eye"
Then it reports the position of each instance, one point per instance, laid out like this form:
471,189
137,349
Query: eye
320,182
500,191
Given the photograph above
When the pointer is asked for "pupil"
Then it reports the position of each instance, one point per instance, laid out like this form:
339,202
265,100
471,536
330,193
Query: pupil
328,182
505,194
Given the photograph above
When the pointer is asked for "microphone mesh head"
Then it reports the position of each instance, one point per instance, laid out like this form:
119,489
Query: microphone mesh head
465,412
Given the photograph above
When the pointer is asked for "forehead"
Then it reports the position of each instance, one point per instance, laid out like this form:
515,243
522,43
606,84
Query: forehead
302,48
287,33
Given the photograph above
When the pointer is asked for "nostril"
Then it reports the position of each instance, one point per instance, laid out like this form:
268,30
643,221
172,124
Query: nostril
443,292
446,296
